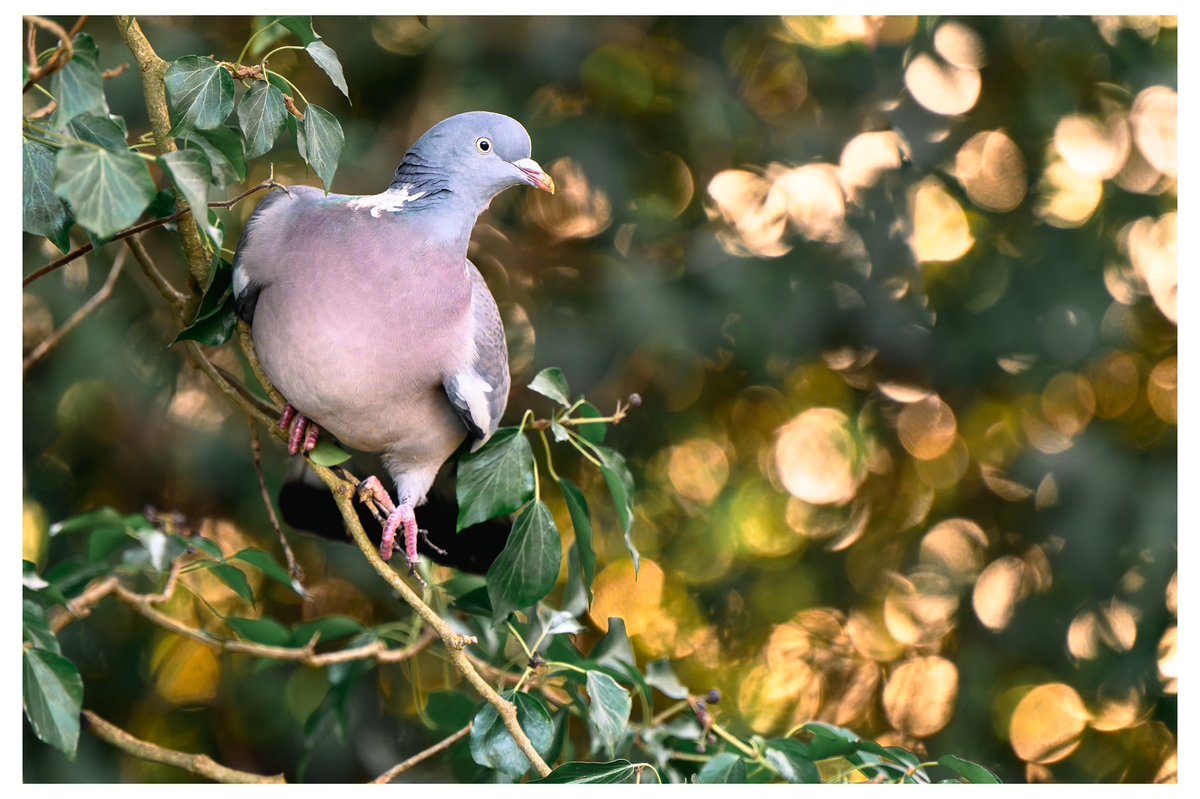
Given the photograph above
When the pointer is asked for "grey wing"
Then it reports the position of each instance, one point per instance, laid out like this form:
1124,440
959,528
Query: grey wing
480,393
259,252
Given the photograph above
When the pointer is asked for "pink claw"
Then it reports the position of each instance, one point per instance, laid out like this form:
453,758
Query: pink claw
289,413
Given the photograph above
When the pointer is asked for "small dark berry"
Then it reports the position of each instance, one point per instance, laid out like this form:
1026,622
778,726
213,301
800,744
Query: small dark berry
714,696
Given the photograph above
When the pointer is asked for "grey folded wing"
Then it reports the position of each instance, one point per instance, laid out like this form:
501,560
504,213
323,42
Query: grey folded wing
480,392
261,251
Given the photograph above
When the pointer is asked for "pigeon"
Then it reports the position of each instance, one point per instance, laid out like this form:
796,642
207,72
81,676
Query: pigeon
368,317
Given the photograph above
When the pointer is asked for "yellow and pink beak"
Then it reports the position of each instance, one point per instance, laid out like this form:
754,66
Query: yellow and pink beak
535,174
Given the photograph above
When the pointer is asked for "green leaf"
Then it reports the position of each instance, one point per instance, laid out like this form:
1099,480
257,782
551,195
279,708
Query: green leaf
107,190
475,603
43,213
327,60
104,541
493,747
233,577
36,627
206,546
301,28
260,631
328,454
78,87
331,628
595,432
528,567
971,772
788,758
580,773
53,694
214,329
620,485
323,142
724,768
449,710
581,520
827,740
86,522
106,130
608,711
552,383
223,148
261,116
201,93
266,563
496,480
192,174
660,675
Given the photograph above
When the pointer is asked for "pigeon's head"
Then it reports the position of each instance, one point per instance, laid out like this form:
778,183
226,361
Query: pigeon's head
477,155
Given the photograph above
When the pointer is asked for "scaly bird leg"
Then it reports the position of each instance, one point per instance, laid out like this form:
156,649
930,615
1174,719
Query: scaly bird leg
401,515
302,433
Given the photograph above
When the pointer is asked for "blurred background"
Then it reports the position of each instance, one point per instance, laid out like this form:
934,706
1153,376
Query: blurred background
899,295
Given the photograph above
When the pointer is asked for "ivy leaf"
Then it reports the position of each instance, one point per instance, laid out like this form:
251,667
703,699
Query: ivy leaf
223,148
552,383
261,116
474,603
43,213
233,577
327,60
214,329
323,142
266,563
620,485
328,454
331,628
106,130
724,768
53,695
78,87
788,758
192,174
594,432
201,93
528,567
971,772
202,544
496,480
493,747
660,675
580,773
581,520
86,522
36,627
449,710
608,711
827,740
107,190
259,631
301,28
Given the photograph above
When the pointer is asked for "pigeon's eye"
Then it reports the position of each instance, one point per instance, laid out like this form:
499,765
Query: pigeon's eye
483,144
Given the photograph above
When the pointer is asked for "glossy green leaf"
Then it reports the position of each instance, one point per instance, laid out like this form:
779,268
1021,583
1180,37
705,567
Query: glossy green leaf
581,520
787,757
214,329
526,570
552,383
328,454
323,142
201,92
660,675
594,432
971,772
107,190
620,486
261,116
819,740
301,27
208,547
475,603
492,746
449,710
104,541
223,148
608,711
611,773
78,87
327,60
86,522
496,480
724,768
43,213
106,130
265,562
331,628
53,696
233,577
35,627
191,173
260,631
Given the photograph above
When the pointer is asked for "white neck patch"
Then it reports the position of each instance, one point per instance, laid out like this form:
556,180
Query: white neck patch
390,201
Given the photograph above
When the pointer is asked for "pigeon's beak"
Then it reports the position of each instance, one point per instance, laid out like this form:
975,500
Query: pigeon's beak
535,174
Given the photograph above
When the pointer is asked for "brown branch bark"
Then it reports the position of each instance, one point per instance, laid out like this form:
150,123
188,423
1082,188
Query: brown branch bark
420,757
154,71
294,569
203,765
94,302
66,48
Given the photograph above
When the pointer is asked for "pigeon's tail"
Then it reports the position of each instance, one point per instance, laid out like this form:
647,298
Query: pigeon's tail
307,506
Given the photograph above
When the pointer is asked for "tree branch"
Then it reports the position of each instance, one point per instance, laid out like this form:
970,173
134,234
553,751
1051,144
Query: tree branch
61,56
202,765
94,302
420,757
294,569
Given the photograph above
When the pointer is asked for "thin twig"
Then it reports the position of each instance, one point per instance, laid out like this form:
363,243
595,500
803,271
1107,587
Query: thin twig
176,299
256,447
202,765
61,56
420,757
94,302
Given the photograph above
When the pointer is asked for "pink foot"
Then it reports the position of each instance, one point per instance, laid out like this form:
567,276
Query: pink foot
302,433
398,516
